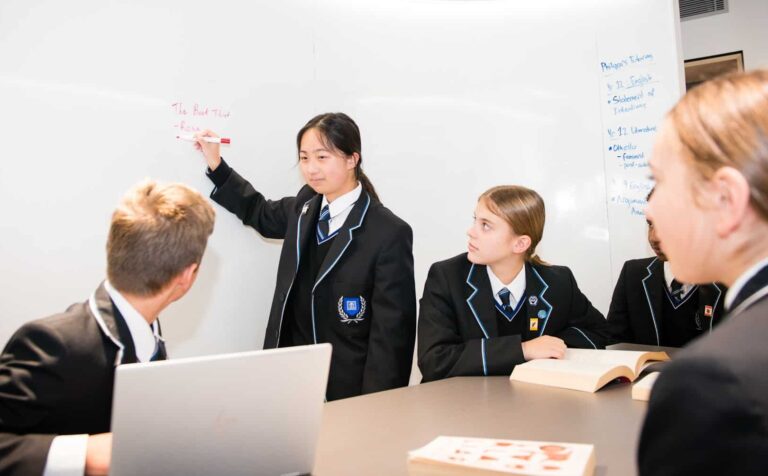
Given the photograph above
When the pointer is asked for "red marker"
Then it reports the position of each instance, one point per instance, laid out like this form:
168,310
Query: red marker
214,140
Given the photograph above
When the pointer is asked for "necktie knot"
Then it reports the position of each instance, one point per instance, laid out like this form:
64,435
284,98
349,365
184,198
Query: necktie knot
505,296
325,214
323,223
160,352
676,287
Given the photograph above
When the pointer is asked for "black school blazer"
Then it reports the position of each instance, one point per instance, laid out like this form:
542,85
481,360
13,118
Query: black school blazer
636,307
56,378
458,333
371,257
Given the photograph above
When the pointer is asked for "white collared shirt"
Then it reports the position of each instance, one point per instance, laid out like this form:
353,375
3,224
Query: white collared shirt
668,277
66,455
144,336
750,273
516,287
341,207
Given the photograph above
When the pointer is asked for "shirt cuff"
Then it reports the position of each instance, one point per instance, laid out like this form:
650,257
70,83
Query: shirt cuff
67,456
220,175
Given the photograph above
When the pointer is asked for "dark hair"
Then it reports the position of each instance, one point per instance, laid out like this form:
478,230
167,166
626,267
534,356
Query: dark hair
339,131
648,198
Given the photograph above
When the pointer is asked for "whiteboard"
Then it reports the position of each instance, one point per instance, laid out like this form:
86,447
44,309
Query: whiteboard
452,97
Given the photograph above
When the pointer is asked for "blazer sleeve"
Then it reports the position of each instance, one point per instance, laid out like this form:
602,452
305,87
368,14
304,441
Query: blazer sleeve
268,217
618,313
702,420
443,352
587,328
393,328
30,382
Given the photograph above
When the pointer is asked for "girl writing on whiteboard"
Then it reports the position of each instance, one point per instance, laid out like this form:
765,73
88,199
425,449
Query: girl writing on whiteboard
346,269
499,304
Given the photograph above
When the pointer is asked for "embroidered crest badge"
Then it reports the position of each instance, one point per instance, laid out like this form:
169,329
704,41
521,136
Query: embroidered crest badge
351,309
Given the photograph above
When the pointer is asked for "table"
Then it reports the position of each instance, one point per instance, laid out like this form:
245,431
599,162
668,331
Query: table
371,434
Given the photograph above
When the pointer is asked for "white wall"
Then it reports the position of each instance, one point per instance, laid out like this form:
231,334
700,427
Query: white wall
744,27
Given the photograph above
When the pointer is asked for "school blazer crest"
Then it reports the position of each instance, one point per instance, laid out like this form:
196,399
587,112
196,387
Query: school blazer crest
369,264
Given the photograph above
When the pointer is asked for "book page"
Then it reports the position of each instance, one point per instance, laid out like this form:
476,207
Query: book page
610,358
584,376
507,456
641,390
593,368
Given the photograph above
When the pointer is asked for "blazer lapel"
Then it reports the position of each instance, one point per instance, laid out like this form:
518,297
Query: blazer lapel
653,287
344,238
112,325
481,301
538,309
305,227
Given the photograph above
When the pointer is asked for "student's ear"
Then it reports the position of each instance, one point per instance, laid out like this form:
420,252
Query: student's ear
730,197
352,160
521,245
187,277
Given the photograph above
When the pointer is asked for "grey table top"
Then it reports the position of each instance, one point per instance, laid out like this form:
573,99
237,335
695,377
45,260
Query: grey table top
371,434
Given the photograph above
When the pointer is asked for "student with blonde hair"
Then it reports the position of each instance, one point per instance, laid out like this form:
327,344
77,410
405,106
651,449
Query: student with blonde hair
57,373
708,412
499,304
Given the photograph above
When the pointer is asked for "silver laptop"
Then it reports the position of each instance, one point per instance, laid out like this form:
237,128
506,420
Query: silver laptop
248,413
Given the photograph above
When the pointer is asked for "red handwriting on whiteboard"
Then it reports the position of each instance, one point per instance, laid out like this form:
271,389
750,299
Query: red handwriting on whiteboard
196,110
199,110
184,126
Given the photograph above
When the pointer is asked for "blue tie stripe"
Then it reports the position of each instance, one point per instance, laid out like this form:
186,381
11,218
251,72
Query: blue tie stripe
504,295
323,224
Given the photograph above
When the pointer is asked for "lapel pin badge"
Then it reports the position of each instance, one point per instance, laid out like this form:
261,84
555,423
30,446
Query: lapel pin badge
533,300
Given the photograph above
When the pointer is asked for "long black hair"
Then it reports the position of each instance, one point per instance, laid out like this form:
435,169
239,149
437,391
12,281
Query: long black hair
341,133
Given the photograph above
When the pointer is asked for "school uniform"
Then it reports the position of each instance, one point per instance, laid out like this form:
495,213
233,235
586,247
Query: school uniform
352,287
708,411
463,331
56,378
648,308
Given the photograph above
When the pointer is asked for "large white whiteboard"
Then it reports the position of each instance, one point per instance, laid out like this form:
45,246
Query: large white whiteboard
452,97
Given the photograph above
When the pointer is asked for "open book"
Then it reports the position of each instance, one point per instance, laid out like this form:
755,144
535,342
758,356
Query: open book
587,370
453,455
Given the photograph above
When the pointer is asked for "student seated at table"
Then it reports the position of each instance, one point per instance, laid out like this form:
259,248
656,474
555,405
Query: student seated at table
499,304
650,306
57,373
708,411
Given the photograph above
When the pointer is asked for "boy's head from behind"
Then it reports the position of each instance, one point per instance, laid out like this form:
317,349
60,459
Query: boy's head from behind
158,232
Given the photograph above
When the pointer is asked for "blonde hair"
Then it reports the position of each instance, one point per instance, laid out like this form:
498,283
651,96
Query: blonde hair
156,232
523,209
724,122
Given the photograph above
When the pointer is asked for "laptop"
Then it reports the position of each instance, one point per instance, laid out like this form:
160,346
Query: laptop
248,413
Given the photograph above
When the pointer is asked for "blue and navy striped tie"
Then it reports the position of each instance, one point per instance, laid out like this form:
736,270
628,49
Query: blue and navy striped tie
323,223
504,295
160,352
